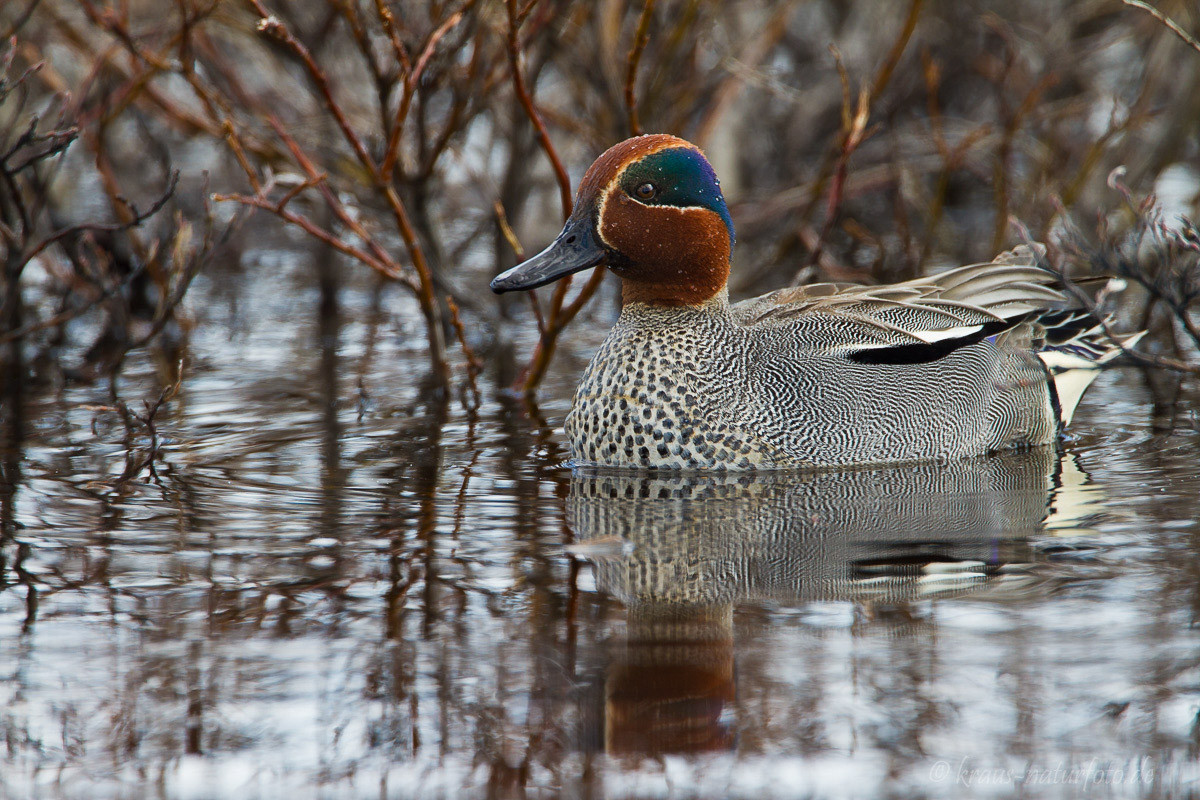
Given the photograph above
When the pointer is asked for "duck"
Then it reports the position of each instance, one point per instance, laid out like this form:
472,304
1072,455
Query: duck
968,362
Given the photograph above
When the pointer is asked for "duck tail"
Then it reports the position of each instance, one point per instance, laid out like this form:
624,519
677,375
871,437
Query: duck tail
1074,351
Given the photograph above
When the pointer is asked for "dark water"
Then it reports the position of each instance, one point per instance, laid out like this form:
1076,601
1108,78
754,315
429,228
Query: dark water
338,589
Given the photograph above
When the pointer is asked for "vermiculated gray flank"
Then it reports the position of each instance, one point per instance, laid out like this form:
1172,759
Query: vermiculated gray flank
938,368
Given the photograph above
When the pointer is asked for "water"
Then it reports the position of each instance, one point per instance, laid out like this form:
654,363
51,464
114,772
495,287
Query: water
338,588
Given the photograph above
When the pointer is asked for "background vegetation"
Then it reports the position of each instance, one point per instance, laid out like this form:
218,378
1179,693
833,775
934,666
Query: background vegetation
426,144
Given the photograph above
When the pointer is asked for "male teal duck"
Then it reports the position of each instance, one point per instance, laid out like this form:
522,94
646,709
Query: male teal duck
975,360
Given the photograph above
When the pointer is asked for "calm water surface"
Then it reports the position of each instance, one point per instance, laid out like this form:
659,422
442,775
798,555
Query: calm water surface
338,589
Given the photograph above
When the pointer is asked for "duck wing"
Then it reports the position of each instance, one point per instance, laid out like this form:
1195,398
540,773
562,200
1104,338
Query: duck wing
918,320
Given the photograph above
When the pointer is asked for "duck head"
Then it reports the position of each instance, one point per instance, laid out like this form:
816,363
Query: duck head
650,209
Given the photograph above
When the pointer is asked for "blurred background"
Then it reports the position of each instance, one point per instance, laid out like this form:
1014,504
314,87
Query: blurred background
420,147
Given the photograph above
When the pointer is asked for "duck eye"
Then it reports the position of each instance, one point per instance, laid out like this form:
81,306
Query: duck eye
646,191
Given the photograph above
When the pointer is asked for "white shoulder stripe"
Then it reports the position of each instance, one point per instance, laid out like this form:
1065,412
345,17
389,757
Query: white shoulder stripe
947,333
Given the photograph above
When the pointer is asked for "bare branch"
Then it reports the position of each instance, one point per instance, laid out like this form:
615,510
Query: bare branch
640,39
1171,24
136,219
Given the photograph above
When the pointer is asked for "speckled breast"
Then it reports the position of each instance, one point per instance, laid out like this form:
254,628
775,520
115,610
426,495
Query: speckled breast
658,394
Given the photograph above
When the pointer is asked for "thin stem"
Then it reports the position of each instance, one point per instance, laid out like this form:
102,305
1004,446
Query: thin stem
1165,20
631,66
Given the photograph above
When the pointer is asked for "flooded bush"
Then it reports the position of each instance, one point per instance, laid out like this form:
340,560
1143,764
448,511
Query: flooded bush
431,143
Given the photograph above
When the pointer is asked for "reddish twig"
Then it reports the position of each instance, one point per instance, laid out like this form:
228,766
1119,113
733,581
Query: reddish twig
640,39
582,298
314,230
526,101
316,178
411,77
952,157
72,313
272,26
854,133
552,327
474,365
1004,154
898,46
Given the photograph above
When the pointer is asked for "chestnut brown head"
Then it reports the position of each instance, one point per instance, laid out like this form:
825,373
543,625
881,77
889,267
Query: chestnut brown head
650,209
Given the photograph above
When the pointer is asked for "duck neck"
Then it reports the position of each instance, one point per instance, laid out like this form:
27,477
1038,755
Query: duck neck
716,306
707,291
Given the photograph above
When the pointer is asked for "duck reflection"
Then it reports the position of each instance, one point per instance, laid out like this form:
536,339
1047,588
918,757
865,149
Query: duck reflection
680,551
